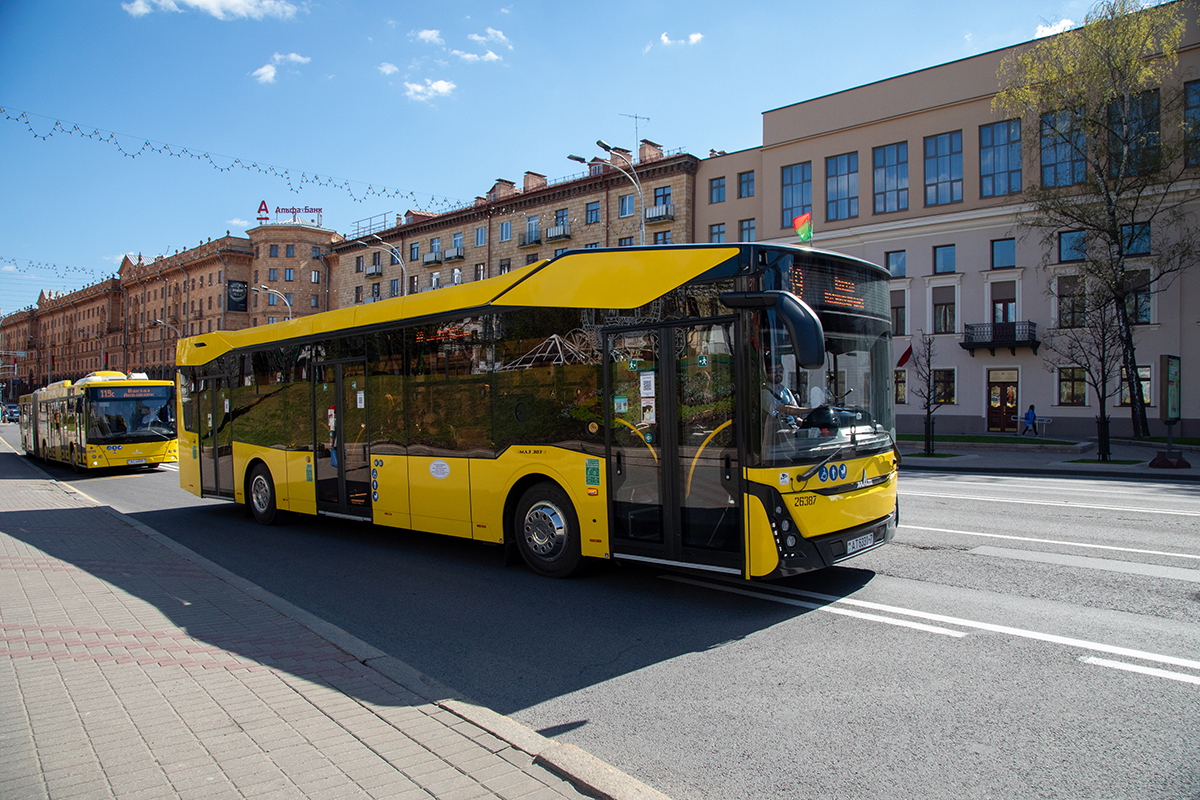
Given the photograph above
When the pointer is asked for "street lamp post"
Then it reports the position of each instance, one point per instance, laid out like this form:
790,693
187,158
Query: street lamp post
277,293
387,248
98,339
172,327
632,175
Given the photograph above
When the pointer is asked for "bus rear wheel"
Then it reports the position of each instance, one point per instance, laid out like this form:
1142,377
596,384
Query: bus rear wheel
547,531
261,496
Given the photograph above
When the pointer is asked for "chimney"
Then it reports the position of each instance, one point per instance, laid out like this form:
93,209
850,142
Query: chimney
502,188
534,180
649,151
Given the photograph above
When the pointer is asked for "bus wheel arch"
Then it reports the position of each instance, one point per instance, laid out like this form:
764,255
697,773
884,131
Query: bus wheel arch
545,527
260,494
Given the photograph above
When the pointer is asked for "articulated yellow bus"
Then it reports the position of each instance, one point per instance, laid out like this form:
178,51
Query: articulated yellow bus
106,419
723,408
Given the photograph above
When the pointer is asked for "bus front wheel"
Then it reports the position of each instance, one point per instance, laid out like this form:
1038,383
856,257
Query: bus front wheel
547,531
262,496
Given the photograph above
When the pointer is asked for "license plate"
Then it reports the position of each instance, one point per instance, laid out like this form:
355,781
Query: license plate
861,543
136,461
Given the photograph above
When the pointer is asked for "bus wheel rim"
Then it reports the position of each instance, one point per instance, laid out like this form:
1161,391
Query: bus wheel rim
545,530
260,493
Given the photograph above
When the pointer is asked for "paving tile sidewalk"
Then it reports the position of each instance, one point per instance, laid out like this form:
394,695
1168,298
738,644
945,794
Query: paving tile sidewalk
133,668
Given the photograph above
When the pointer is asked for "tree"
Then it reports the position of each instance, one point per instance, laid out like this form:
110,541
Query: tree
1114,144
932,393
1087,338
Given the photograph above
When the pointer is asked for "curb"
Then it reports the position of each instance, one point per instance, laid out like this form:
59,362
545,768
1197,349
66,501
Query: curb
587,773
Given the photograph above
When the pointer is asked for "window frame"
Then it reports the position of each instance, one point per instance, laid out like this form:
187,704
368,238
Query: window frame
952,159
897,172
841,187
1011,146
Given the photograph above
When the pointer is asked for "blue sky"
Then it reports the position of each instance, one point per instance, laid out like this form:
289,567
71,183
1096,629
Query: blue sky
406,105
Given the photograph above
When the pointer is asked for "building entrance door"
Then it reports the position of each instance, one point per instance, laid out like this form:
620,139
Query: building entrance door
1002,400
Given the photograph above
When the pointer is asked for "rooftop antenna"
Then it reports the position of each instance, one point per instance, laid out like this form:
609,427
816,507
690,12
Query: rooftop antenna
636,136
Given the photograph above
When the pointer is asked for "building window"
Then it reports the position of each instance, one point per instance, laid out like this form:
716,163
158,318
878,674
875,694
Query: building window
900,381
943,169
414,251
456,277
662,237
1071,301
435,245
943,259
505,266
558,251
289,274
662,196
1004,253
358,294
413,284
1137,301
358,264
1063,149
1000,158
531,258
716,234
1134,146
291,251
1004,301
273,274
942,298
505,231
592,212
480,237
272,300
895,263
841,187
316,252
1143,381
899,323
625,206
376,259
943,386
716,190
456,240
316,276
1072,386
314,301
270,320
746,230
592,246
625,241
1136,239
1191,121
274,251
1072,246
890,164
394,287
745,184
797,192
479,272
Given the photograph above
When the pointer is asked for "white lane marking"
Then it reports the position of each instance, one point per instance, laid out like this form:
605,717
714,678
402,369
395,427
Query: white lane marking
817,606
1052,638
1157,673
1055,541
1058,503
1106,564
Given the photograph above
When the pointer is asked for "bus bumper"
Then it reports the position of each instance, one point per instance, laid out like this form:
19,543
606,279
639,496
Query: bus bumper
833,548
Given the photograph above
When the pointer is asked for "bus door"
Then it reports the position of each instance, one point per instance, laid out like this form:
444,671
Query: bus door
216,437
341,444
673,463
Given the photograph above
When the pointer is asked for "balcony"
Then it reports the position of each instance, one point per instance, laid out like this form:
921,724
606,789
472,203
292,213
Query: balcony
529,239
558,232
663,213
432,258
454,254
374,270
992,335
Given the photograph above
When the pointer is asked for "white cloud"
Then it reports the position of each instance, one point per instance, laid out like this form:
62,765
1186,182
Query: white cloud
1050,30
221,9
492,35
265,73
428,36
506,10
238,223
8,268
471,58
692,39
646,49
387,69
967,38
431,89
291,58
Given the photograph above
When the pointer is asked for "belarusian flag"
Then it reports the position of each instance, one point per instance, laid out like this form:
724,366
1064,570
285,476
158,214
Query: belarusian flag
803,225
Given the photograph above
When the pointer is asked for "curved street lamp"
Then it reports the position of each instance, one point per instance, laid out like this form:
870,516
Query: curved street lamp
277,293
632,175
98,339
387,248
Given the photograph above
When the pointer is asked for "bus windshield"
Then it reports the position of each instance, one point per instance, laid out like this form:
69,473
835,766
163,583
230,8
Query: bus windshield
130,414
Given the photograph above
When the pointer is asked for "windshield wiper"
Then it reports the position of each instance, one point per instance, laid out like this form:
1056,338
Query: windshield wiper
813,470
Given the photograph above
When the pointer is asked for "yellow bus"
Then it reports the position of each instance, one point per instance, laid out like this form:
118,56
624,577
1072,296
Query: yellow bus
608,403
106,419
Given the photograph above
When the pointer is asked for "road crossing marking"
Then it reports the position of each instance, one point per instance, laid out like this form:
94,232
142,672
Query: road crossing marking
1058,503
1055,541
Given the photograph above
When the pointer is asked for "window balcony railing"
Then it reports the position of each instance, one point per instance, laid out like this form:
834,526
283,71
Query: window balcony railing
663,213
374,270
453,254
558,232
991,335
529,239
432,258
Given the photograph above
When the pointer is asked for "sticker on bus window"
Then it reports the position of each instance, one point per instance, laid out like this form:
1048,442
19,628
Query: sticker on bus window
591,471
648,410
439,469
647,384
362,399
702,361
621,404
633,365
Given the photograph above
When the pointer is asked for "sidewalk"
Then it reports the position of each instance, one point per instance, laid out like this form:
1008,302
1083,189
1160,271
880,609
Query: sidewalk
131,667
1042,459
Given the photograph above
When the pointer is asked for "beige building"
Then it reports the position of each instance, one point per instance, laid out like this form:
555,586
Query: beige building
513,226
918,174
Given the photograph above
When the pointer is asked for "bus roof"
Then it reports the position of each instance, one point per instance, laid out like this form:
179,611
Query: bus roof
625,277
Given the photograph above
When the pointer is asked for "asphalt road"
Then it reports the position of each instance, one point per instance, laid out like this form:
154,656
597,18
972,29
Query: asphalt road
1023,637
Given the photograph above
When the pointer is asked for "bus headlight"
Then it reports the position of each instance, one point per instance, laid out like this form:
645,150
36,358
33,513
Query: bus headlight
790,541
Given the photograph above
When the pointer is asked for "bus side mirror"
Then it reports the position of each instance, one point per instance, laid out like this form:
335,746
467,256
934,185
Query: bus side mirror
802,323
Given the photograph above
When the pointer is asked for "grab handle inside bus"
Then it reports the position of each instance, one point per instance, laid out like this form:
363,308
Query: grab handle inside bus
803,325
